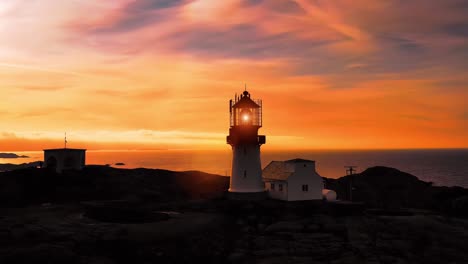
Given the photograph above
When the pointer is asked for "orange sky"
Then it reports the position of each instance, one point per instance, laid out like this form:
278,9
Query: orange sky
159,74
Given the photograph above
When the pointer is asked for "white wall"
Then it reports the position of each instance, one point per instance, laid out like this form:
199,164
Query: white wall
305,174
246,159
276,193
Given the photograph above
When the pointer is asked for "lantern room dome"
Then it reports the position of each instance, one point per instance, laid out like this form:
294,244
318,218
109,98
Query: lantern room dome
245,111
245,102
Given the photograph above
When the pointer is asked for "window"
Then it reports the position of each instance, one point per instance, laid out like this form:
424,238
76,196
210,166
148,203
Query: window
272,186
245,173
280,187
305,188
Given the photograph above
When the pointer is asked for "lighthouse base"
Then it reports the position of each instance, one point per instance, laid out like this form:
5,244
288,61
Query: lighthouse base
247,196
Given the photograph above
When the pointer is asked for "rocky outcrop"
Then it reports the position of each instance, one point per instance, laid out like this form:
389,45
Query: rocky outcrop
36,186
389,188
109,215
10,166
291,237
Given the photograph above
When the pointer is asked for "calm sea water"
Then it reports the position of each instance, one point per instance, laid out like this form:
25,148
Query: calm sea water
442,167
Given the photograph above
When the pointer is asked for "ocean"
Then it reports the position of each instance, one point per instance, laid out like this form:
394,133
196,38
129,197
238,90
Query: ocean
443,167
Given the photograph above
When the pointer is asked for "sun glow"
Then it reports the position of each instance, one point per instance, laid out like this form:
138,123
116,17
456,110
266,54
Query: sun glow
5,6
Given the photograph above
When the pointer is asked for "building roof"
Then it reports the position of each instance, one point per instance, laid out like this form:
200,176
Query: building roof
64,149
245,102
297,160
278,170
281,170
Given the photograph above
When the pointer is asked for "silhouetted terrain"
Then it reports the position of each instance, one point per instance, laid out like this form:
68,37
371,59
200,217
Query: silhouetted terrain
9,166
389,188
109,215
34,186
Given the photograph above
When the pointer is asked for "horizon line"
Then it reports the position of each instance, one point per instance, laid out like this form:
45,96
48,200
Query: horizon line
278,149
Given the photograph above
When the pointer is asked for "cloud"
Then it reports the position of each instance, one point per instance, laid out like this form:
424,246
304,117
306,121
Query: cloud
126,139
418,117
323,37
402,44
139,95
144,5
464,116
132,16
45,112
42,88
244,41
4,134
362,66
457,29
42,68
281,6
113,139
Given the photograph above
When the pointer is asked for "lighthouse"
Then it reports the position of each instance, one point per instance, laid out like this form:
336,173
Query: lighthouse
245,121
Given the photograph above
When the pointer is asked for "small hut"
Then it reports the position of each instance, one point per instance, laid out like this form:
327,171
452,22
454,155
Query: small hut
64,159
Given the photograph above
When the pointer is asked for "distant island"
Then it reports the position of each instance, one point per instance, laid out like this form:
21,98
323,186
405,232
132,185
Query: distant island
11,156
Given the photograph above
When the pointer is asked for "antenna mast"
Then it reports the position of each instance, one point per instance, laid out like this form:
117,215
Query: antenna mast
65,139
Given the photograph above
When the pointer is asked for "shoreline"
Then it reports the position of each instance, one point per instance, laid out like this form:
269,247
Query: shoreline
4,167
443,167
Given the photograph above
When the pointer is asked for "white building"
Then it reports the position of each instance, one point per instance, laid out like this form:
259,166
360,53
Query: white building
293,180
64,159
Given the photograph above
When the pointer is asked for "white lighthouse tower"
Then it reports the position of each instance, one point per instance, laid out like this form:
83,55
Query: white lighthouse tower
245,120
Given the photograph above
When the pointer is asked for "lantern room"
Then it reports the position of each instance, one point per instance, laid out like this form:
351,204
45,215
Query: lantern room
245,111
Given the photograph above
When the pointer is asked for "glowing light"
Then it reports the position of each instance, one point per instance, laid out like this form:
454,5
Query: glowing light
245,117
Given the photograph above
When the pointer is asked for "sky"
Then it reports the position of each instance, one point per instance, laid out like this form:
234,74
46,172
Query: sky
158,74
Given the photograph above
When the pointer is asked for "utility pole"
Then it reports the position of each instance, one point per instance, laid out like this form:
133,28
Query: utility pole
350,170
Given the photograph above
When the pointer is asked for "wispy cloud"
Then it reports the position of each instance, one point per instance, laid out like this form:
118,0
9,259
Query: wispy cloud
39,88
140,138
370,68
42,68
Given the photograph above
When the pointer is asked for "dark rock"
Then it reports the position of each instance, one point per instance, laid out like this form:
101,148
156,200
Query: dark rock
237,256
284,226
10,166
460,206
391,189
35,186
42,253
123,214
312,227
108,215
